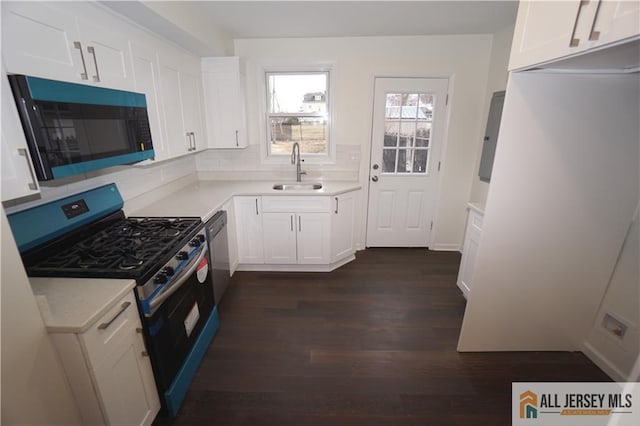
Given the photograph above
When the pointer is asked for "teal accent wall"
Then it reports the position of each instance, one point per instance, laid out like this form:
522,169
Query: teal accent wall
59,91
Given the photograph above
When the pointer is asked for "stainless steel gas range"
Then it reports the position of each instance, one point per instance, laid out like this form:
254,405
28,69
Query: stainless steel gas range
88,235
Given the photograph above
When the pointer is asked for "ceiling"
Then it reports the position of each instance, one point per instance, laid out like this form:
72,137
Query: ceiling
285,19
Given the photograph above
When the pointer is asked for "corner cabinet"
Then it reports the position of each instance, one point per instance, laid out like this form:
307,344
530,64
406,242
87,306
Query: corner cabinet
109,370
549,30
295,232
470,250
223,81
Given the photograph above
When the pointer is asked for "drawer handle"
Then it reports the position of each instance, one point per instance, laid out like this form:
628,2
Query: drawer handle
123,308
92,50
83,75
594,35
576,41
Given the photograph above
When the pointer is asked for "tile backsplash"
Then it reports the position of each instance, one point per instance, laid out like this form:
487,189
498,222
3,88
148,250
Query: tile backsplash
245,164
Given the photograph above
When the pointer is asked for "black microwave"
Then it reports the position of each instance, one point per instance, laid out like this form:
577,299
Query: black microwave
73,129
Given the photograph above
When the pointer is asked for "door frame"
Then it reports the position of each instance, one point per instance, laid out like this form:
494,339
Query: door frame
365,173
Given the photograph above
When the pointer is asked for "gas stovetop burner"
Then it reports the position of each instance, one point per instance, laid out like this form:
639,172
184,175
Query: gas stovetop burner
119,248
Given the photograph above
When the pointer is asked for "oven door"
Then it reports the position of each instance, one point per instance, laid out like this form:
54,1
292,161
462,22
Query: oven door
179,313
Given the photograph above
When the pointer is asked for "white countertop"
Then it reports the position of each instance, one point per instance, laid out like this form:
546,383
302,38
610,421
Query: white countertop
72,305
204,198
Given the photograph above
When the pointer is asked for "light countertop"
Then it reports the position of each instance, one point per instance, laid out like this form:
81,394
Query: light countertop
72,305
203,198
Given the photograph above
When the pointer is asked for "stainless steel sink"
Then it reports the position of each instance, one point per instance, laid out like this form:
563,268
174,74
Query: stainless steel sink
297,186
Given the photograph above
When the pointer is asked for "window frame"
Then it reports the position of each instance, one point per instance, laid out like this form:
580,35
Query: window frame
267,156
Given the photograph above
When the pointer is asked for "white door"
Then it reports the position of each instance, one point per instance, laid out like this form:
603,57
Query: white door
408,126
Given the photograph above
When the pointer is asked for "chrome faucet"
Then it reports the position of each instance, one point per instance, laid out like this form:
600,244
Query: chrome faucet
295,159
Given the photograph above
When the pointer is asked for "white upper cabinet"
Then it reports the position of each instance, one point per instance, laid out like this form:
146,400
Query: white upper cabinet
18,177
47,40
38,39
146,77
180,93
106,55
549,30
223,82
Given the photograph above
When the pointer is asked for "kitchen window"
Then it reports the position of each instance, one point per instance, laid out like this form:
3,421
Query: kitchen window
298,111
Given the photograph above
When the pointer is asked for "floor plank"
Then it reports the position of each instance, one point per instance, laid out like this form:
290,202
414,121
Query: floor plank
372,343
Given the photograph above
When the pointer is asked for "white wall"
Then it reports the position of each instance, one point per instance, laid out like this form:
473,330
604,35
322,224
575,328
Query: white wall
617,355
465,59
497,81
34,387
564,189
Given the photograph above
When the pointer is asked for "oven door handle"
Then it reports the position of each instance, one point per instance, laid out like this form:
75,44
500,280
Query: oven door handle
183,277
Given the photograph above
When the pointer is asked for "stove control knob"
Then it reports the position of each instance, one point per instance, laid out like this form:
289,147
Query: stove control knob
160,278
195,242
168,270
201,237
182,255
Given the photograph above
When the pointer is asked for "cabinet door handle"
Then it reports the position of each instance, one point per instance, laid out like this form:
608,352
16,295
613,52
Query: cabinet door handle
576,41
123,308
83,75
189,144
237,143
92,50
291,217
195,147
594,35
299,224
33,185
336,212
257,213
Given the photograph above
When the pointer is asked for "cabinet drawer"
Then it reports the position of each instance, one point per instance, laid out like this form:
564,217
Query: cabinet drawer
112,328
297,204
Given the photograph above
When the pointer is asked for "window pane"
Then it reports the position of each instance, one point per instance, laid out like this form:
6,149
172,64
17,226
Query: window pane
388,160
425,107
392,109
420,157
391,131
295,93
404,161
309,132
409,106
407,131
423,133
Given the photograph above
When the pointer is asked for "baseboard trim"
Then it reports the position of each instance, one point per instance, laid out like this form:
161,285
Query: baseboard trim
294,268
603,363
444,247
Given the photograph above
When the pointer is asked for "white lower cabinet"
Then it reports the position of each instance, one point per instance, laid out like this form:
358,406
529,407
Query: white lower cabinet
295,230
470,251
249,229
342,226
109,370
232,231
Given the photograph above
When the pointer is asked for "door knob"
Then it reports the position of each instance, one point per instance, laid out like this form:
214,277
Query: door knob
374,178
375,167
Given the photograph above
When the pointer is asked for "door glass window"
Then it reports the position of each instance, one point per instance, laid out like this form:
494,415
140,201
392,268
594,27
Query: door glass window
408,119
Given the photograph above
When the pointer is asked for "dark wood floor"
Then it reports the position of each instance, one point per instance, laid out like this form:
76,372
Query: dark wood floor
373,343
